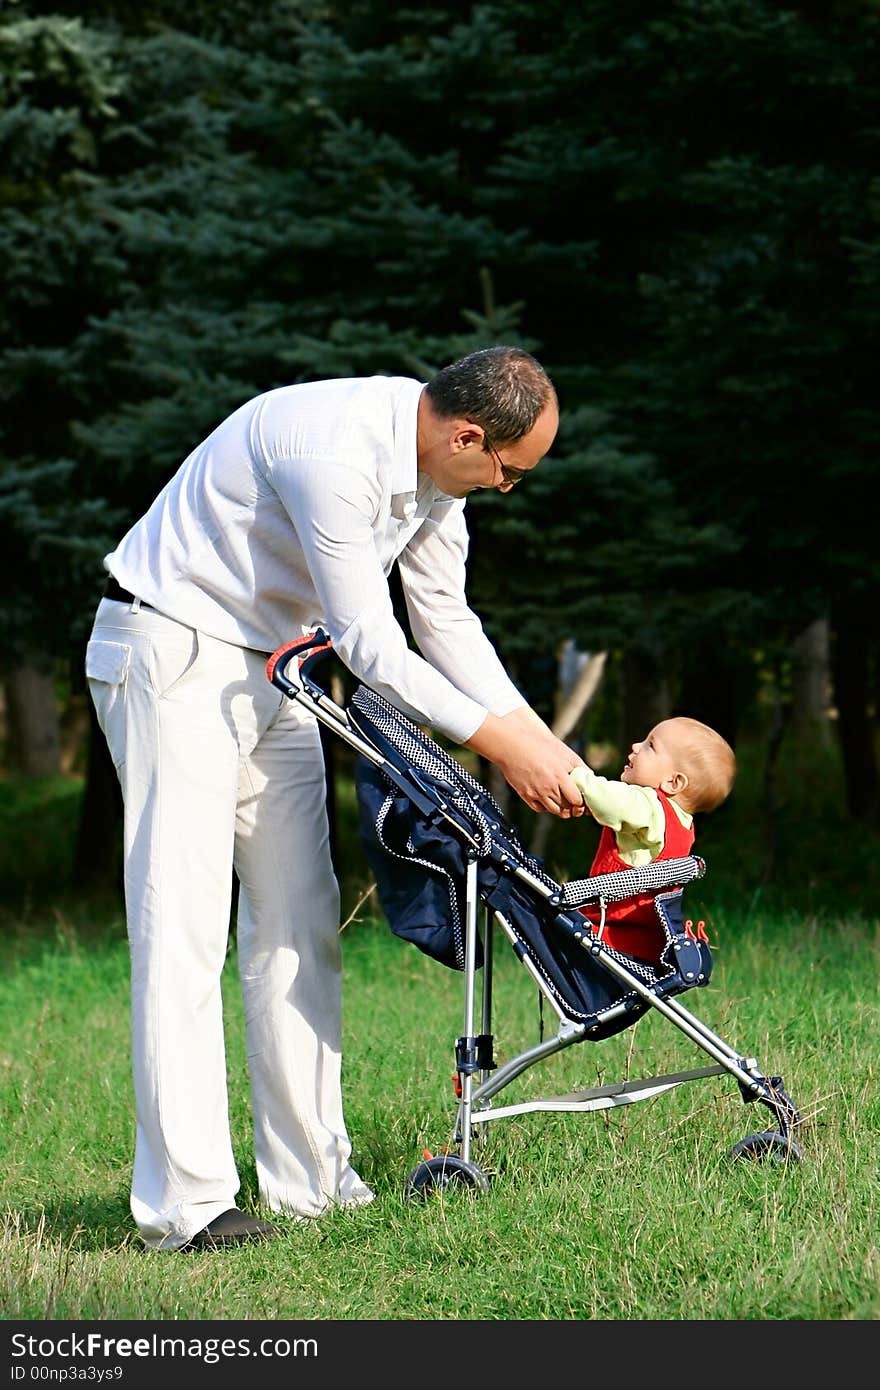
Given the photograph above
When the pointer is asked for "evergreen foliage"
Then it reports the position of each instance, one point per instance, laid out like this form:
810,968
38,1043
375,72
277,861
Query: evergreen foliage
675,208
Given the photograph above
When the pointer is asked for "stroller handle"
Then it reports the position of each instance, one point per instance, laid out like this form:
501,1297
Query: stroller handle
306,649
626,883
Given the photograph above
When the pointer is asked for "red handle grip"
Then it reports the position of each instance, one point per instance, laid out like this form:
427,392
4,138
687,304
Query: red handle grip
304,648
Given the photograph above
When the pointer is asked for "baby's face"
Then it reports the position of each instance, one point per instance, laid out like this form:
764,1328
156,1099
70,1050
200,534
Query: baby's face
657,758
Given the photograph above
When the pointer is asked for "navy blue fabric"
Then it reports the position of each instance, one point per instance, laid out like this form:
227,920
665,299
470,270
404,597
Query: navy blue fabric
419,866
583,987
420,863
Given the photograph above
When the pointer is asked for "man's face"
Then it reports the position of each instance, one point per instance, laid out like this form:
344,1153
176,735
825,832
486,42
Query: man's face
473,461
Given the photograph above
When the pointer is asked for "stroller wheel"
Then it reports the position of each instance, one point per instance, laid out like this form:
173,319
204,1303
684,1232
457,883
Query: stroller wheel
767,1147
444,1171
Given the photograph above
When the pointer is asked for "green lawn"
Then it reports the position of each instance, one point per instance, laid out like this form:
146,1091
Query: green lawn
632,1214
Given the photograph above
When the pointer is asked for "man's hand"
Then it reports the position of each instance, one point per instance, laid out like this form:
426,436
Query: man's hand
532,759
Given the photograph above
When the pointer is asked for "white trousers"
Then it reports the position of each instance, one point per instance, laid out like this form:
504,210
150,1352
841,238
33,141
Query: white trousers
217,768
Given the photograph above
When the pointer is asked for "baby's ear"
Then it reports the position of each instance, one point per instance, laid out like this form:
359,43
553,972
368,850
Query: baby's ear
675,784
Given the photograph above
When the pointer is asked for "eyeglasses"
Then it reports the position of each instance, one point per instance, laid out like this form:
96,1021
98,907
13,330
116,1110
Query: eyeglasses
511,475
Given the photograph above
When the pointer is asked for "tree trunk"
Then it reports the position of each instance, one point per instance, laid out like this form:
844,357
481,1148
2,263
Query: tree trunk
645,694
574,699
716,682
811,682
328,748
33,740
576,694
97,860
852,634
579,674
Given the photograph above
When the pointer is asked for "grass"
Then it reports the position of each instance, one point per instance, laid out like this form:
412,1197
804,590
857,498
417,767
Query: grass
635,1214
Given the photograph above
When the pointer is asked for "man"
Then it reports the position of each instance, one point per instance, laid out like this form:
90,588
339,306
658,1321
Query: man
290,515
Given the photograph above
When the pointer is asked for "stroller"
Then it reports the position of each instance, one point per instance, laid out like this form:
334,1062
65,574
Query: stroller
440,849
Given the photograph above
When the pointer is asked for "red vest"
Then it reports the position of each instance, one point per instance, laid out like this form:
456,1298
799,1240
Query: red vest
632,925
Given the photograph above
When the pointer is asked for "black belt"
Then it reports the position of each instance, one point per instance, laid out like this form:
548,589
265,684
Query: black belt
114,590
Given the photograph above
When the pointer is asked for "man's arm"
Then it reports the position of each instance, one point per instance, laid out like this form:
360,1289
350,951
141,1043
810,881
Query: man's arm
446,630
512,736
332,503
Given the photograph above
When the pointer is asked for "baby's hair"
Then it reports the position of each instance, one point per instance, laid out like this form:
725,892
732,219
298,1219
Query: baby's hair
711,765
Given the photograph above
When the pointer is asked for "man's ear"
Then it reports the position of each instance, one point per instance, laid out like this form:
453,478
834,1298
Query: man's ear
465,435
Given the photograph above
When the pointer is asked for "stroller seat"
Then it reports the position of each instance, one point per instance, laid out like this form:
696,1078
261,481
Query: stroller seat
419,860
449,868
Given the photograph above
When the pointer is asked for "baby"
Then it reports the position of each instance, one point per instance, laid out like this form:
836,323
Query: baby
681,767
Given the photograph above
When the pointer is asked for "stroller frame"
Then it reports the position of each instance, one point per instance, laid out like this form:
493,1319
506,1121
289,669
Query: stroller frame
478,1079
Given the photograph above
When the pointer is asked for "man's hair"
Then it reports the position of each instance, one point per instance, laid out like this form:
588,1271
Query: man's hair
503,389
710,766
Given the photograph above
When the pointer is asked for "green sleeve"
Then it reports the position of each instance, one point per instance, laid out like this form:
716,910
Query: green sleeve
635,814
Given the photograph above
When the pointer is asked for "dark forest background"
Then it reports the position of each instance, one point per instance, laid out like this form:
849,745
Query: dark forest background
675,206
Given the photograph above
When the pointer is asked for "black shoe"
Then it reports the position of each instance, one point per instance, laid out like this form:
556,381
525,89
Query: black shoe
232,1227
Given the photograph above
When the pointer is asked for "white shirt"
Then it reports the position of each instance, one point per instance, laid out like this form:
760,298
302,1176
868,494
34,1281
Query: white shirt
291,514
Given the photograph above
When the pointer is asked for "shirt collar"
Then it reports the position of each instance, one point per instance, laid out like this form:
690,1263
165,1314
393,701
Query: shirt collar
405,466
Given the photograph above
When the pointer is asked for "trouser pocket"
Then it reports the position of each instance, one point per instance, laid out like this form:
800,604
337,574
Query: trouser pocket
107,666
172,661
